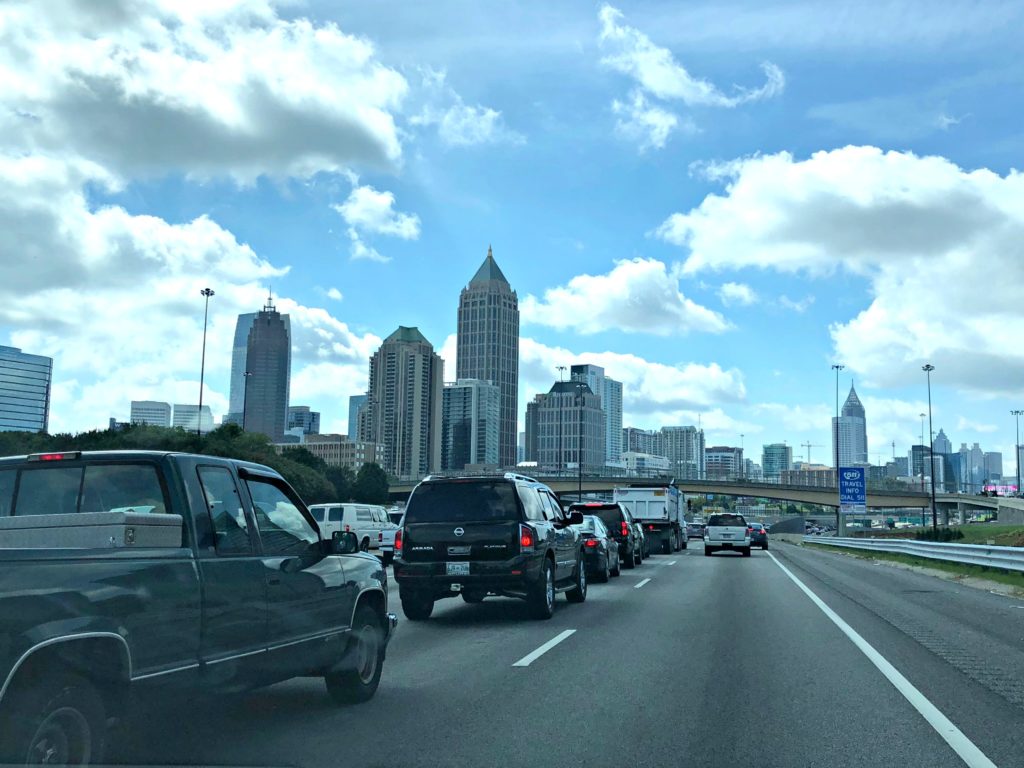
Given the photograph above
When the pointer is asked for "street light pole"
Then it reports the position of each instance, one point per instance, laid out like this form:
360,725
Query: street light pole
206,293
1016,456
840,523
928,368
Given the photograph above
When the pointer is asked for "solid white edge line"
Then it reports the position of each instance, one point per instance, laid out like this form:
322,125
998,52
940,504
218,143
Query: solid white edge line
641,584
529,658
673,562
964,747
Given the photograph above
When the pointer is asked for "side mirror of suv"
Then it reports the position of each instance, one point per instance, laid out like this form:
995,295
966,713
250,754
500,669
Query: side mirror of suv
574,518
344,543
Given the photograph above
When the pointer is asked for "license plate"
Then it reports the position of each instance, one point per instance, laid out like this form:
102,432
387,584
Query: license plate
726,535
457,569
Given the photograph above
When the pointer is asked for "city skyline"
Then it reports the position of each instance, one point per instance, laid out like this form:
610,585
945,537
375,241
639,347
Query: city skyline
641,221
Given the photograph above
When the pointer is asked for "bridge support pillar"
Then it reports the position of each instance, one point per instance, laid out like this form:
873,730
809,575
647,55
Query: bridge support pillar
961,513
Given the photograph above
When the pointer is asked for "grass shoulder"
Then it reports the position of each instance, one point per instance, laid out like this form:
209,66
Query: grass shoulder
973,575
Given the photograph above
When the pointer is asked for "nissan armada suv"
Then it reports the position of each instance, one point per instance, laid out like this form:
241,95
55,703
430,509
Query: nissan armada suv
477,536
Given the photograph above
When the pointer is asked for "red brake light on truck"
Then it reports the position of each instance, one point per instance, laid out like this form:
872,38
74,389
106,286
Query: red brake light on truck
63,456
398,541
625,528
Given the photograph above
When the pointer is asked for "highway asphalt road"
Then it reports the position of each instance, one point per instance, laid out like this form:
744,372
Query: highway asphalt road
686,660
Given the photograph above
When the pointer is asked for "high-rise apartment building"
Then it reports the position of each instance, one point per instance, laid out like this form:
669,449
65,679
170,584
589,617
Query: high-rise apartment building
849,433
187,417
268,362
403,409
684,448
301,417
470,421
356,403
776,458
239,349
723,462
993,465
941,443
24,391
151,412
641,441
488,345
610,392
558,424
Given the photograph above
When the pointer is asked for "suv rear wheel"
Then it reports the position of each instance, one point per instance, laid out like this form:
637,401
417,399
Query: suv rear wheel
542,595
417,607
579,591
356,685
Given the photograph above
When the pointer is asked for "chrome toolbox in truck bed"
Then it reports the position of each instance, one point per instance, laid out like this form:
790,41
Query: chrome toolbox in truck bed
90,530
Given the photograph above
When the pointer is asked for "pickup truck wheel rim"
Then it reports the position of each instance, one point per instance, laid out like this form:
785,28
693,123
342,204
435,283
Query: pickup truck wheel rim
583,578
367,653
63,738
549,589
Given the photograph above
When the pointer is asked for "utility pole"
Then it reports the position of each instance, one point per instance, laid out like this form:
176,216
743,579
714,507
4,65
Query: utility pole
840,523
1016,456
206,293
928,368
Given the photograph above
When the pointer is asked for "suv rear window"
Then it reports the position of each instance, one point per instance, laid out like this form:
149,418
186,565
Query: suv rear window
734,520
462,502
610,515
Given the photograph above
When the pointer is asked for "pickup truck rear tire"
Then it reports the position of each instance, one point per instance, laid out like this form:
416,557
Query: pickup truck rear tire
473,597
708,551
542,595
62,719
630,562
578,593
354,686
746,551
417,608
617,570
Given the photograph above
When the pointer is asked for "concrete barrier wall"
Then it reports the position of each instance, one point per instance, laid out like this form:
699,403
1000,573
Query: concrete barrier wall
789,525
1011,511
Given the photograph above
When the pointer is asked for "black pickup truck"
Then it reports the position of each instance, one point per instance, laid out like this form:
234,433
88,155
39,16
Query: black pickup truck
477,536
125,575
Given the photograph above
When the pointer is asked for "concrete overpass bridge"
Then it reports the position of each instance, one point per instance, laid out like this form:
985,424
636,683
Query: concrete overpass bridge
828,497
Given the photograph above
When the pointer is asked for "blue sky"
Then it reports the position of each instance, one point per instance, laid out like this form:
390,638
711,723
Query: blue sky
714,200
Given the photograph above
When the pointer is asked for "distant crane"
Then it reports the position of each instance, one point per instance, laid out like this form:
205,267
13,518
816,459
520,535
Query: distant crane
808,446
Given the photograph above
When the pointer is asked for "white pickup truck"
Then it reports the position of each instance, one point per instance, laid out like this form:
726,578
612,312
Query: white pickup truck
726,532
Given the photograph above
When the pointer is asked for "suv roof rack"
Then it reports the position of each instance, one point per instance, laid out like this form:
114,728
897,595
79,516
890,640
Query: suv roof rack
517,476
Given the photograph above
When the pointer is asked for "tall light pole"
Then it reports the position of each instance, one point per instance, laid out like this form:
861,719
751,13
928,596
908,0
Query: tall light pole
840,523
1016,456
928,368
245,395
206,293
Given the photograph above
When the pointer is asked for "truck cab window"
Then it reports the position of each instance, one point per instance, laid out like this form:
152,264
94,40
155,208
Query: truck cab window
283,528
129,488
230,530
7,480
49,491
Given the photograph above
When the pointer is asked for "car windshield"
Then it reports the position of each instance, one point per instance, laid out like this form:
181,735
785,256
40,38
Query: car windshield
458,502
439,272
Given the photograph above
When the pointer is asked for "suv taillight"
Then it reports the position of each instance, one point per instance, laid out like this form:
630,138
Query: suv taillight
625,529
527,538
398,541
590,543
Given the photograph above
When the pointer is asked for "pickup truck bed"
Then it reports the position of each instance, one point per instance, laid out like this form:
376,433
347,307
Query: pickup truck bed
246,594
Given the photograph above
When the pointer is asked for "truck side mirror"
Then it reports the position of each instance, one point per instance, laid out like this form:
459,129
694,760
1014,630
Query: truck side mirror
574,518
344,543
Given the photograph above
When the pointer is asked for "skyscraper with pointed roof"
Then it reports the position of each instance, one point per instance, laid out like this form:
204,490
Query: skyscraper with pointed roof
851,430
488,345
403,406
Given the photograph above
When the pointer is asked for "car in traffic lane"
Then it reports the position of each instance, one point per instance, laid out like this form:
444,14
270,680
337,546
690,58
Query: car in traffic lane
694,530
600,550
620,525
726,531
503,535
758,535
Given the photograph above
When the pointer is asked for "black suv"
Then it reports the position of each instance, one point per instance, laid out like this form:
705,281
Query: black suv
621,527
479,536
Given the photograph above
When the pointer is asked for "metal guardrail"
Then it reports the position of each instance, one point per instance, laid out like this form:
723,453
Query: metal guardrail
1007,558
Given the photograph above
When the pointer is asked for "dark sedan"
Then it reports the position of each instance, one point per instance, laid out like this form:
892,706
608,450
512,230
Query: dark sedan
758,535
600,549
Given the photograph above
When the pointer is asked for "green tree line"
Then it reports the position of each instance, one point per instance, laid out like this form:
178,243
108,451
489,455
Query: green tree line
310,476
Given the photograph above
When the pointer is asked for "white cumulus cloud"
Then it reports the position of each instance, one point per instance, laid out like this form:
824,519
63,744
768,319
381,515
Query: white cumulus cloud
657,74
209,90
926,234
737,293
368,211
636,296
460,124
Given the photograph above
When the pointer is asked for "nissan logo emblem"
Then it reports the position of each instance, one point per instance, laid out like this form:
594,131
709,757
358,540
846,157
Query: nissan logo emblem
459,531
